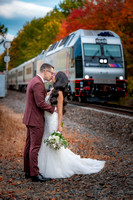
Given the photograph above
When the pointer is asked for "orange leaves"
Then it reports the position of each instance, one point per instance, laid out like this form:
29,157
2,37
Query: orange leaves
62,31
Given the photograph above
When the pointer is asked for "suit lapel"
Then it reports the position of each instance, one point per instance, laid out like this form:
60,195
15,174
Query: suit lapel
38,77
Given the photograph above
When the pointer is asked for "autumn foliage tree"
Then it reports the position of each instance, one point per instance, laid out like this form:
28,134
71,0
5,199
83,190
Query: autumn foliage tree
68,5
34,37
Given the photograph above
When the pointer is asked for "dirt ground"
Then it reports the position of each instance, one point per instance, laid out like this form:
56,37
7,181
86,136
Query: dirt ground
89,135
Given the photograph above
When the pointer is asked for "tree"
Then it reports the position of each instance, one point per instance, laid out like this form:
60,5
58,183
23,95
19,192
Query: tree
34,37
68,5
2,63
3,31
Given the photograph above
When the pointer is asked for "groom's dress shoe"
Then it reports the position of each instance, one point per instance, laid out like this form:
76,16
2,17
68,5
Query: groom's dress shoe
27,175
40,178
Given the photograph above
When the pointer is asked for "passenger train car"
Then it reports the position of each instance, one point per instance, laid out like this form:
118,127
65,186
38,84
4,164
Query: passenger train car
92,59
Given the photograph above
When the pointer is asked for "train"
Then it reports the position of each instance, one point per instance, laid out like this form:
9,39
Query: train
92,59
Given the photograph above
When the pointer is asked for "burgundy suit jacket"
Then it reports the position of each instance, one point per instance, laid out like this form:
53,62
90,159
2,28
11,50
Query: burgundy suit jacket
35,103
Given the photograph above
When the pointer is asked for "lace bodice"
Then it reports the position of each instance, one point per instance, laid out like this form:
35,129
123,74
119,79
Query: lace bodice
51,121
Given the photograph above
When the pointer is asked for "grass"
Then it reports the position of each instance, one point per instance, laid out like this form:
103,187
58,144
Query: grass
127,101
12,133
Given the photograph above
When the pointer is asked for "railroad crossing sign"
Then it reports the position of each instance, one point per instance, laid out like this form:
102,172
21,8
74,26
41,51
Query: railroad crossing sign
7,45
6,58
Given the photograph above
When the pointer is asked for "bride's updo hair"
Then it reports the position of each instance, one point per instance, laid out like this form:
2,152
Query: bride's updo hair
61,84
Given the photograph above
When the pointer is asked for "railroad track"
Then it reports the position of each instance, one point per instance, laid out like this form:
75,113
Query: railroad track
125,110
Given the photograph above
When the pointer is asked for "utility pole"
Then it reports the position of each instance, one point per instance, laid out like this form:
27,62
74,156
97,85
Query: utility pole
7,46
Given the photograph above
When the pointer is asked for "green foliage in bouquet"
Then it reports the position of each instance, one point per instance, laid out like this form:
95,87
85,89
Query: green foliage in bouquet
56,141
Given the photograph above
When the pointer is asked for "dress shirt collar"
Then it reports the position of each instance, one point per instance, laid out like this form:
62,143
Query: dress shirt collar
41,78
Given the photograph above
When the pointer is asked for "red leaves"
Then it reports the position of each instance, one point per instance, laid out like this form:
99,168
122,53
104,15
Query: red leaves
111,15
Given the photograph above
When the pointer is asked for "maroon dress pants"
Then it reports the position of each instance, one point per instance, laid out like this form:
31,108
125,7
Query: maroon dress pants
33,143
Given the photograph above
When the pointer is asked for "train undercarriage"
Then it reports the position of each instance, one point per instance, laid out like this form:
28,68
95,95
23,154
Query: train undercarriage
87,90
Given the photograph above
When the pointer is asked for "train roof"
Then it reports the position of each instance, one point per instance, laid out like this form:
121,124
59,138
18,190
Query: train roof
25,63
69,40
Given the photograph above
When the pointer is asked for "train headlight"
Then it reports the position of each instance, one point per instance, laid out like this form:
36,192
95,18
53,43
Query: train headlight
86,76
105,61
121,77
101,60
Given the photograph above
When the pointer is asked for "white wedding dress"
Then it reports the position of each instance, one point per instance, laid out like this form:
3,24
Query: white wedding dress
62,163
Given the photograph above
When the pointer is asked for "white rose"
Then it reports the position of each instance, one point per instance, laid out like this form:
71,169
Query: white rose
57,138
50,138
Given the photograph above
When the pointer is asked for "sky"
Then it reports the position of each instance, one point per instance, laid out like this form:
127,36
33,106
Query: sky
15,13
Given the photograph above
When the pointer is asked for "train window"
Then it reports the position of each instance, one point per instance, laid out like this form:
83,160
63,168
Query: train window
70,39
53,46
64,40
112,50
49,48
28,70
14,75
92,50
20,73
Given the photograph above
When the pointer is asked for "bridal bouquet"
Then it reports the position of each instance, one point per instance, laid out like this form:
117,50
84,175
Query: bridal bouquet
56,141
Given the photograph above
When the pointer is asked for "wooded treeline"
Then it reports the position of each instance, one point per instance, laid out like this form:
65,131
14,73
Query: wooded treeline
68,16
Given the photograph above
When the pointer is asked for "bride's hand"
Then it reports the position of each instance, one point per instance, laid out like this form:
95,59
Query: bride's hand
60,129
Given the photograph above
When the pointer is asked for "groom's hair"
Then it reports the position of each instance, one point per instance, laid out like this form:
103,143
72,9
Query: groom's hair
45,66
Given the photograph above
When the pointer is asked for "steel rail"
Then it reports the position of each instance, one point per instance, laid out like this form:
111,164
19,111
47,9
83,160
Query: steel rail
106,107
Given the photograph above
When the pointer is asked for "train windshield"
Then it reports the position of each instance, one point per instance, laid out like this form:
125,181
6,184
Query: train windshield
112,50
92,50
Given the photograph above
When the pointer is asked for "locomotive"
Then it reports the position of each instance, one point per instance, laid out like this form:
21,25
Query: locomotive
92,59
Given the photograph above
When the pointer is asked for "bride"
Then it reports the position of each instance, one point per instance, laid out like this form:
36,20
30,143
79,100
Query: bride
61,163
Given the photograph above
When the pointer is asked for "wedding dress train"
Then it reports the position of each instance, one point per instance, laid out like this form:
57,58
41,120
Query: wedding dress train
62,163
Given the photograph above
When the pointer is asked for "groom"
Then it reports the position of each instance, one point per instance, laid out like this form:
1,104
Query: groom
34,120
